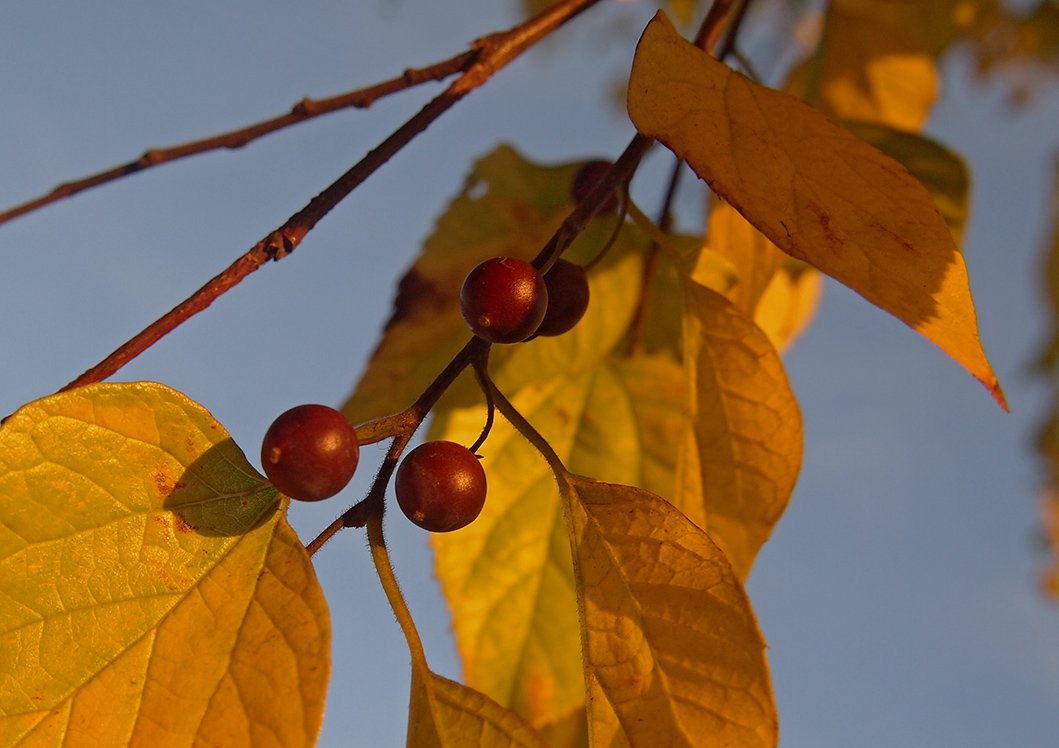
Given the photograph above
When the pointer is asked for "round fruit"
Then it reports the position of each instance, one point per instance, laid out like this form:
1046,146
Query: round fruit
567,298
440,486
503,300
585,180
310,452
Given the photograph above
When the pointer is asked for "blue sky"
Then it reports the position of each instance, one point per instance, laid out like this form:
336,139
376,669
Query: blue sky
898,593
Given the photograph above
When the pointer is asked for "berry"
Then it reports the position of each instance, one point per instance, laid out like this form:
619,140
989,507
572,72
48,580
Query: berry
440,486
310,452
586,178
567,298
503,300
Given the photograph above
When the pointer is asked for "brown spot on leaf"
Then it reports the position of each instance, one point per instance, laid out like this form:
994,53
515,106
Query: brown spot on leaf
414,293
182,525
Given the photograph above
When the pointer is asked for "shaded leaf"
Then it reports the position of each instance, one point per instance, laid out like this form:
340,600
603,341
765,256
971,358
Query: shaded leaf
447,714
817,192
939,169
134,536
673,654
743,449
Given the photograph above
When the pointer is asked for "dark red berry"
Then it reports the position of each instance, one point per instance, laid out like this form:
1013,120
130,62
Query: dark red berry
585,180
503,300
440,486
310,452
567,298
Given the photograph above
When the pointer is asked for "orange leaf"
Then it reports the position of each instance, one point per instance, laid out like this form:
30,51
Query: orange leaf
673,654
817,192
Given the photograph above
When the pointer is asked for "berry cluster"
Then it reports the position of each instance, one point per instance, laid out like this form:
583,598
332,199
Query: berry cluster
311,451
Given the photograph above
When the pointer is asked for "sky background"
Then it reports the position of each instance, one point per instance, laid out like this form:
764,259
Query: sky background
898,593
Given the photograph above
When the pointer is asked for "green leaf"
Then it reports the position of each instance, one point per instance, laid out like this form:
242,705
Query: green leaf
508,576
153,594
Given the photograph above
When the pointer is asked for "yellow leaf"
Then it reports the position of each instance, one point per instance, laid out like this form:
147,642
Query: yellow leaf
673,654
743,449
817,192
789,304
873,63
508,577
153,593
754,258
447,714
511,207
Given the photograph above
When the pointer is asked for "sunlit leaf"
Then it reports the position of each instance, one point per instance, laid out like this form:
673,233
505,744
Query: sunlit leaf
153,594
507,207
673,654
789,303
874,63
743,449
447,714
508,576
754,258
817,192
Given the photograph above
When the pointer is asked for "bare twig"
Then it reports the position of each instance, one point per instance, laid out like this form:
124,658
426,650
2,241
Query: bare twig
493,53
305,109
403,425
713,24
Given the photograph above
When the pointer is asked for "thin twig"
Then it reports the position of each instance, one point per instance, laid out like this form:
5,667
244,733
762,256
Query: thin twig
713,24
404,424
481,373
733,30
305,109
619,224
665,222
494,52
620,173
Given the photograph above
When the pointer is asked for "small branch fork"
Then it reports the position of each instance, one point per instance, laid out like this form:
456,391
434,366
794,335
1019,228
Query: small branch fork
491,53
402,426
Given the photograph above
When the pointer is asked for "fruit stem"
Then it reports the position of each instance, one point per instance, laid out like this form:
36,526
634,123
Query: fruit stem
575,223
525,428
614,233
384,568
481,373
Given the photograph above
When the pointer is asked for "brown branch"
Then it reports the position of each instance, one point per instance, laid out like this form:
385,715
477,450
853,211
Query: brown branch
404,424
493,52
305,109
712,25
